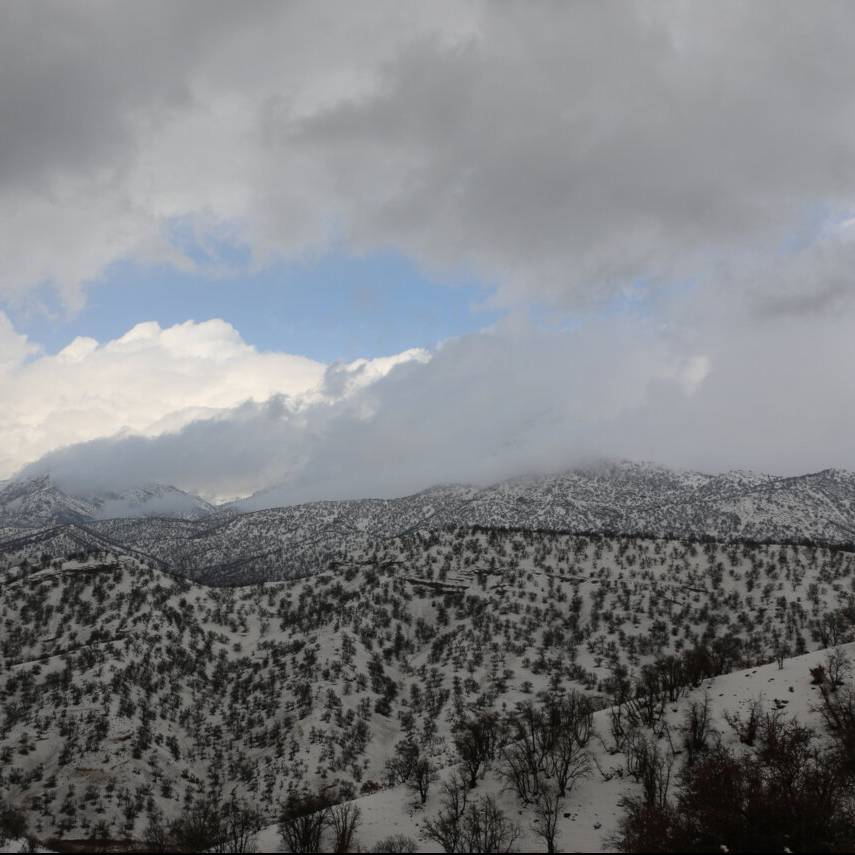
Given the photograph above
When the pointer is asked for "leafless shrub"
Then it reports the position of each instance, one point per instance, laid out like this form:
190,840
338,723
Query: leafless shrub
748,727
397,843
697,728
302,822
344,820
547,810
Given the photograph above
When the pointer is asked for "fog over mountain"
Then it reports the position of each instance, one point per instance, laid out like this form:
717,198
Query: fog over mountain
516,401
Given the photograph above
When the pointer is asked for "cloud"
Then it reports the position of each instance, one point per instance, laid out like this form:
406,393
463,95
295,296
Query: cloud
680,177
517,400
563,152
148,380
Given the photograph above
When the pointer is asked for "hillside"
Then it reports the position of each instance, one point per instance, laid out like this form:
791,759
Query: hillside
129,689
589,815
233,545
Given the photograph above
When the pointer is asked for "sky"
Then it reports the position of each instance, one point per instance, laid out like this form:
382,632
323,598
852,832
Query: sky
335,250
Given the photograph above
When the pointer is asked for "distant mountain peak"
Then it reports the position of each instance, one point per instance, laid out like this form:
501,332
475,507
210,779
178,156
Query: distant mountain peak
40,501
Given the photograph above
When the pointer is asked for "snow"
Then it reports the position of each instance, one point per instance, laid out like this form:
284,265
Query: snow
594,804
226,664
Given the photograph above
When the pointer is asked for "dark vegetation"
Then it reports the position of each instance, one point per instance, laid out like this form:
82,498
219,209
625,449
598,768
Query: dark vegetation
781,788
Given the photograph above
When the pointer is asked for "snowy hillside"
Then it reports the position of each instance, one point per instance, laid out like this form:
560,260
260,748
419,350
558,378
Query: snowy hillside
39,502
280,543
230,545
588,818
130,691
151,666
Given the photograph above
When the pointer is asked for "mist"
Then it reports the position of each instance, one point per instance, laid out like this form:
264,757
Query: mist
518,400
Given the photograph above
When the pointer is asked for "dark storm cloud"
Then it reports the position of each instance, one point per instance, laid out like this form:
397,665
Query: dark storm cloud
559,149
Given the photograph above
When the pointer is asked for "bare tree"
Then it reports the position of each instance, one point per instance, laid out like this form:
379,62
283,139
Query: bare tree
571,723
156,836
838,710
239,826
302,822
568,762
519,770
445,829
400,767
485,828
345,819
697,728
476,742
535,734
421,777
651,767
547,810
838,667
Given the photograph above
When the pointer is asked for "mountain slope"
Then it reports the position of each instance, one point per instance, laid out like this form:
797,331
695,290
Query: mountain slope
127,688
41,502
618,498
225,546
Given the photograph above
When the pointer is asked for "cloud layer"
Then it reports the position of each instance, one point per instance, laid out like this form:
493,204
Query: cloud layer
563,151
513,401
680,177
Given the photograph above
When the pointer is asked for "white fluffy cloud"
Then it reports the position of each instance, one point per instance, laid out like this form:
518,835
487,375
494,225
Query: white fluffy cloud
149,381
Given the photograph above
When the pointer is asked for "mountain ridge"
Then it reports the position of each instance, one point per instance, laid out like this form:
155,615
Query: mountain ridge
220,545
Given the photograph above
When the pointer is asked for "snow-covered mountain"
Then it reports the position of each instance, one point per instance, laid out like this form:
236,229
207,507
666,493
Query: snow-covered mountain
38,502
615,498
151,500
227,546
130,690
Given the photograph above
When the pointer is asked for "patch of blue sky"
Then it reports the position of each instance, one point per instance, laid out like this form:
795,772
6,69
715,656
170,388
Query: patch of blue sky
331,307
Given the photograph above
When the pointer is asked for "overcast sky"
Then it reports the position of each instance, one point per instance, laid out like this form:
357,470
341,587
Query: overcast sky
361,248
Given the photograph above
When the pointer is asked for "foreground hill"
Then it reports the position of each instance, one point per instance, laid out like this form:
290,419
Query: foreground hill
589,816
130,690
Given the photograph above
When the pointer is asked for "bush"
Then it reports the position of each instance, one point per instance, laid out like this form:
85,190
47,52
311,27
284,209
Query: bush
463,826
13,823
786,795
198,829
302,822
397,843
207,826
